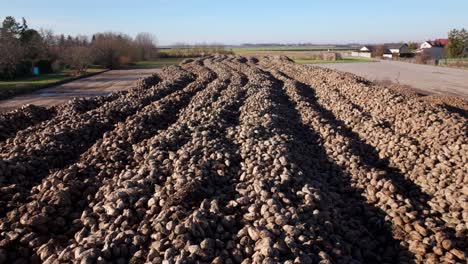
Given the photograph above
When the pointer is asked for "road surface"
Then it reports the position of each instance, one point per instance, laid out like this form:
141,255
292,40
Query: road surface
101,84
424,78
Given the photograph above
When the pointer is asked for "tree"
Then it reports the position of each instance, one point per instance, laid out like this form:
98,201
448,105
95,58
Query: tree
24,26
11,51
112,50
78,58
146,46
10,28
413,45
11,54
380,50
458,43
33,46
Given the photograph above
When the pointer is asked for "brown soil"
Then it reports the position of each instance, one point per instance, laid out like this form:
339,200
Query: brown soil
227,159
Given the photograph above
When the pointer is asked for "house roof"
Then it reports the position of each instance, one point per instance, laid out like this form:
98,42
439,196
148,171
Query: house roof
394,45
438,42
387,51
387,46
371,48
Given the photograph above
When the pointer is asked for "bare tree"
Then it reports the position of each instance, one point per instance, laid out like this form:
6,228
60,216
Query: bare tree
112,49
11,54
380,50
147,46
78,58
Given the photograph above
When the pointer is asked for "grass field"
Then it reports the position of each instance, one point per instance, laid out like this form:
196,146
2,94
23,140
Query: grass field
344,60
34,81
298,53
286,48
160,62
29,84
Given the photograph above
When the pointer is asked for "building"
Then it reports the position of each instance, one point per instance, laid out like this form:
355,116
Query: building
397,50
388,50
438,43
433,48
365,52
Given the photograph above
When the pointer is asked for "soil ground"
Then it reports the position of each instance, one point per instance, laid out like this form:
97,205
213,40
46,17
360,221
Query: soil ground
424,78
101,84
227,159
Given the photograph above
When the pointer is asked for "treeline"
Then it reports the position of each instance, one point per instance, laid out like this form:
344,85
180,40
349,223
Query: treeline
182,50
458,43
23,48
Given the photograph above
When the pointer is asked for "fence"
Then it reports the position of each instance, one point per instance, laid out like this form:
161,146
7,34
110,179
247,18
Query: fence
361,54
462,63
416,60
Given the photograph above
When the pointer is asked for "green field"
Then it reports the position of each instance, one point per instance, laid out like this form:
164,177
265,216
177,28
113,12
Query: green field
160,62
286,48
36,80
300,53
344,60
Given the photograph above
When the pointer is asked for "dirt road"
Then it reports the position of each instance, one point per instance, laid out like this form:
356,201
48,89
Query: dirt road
426,79
101,84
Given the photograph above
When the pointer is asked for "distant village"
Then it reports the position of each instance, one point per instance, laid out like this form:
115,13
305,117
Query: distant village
431,49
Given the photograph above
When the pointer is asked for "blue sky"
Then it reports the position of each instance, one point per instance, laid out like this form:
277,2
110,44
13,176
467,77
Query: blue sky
234,22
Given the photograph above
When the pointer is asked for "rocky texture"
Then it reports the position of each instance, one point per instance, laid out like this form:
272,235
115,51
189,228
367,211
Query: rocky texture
236,160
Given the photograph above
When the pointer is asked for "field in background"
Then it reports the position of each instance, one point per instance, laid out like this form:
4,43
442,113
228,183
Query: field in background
160,62
300,54
287,48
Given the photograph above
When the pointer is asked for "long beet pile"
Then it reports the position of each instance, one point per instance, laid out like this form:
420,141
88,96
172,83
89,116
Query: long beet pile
235,160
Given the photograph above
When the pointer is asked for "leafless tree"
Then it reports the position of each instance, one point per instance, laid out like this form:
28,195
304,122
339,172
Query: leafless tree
11,54
112,49
78,58
380,50
147,46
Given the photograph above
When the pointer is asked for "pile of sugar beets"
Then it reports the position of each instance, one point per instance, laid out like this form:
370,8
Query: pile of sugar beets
227,159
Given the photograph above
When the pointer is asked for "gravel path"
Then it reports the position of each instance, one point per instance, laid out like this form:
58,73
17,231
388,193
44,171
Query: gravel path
425,78
228,159
101,84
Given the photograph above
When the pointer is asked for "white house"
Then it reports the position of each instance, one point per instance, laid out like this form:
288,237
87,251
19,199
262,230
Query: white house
434,48
365,52
438,43
390,51
397,50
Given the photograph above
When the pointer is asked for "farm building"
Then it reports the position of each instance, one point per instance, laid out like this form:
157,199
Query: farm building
434,48
438,43
365,52
398,50
387,51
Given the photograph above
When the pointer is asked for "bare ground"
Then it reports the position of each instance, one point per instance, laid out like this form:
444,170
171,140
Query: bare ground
101,84
425,79
235,160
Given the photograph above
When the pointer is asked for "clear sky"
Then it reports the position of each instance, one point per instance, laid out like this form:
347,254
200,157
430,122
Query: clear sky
254,21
